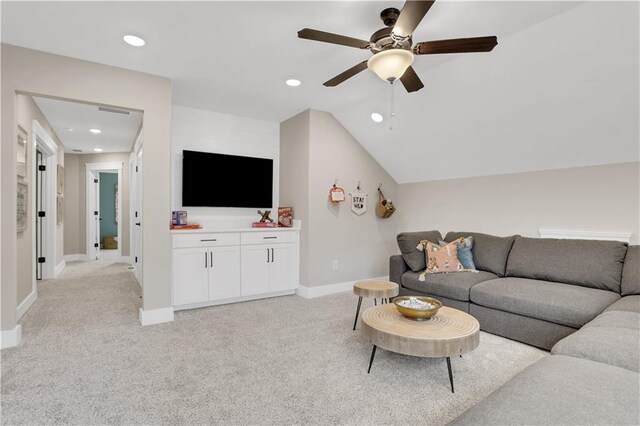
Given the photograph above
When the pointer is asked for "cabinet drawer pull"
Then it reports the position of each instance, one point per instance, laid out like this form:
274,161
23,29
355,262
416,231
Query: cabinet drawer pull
268,256
212,239
211,253
205,260
269,238
273,256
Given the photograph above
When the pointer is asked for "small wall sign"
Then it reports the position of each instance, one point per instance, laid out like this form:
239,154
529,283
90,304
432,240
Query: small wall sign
358,201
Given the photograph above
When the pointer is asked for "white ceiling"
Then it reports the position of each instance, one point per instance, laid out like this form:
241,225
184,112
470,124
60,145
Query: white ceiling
559,90
118,130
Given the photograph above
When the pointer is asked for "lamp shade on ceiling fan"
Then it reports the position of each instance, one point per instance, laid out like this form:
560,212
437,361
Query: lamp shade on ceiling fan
390,64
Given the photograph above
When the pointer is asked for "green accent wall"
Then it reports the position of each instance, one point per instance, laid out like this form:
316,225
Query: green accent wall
108,225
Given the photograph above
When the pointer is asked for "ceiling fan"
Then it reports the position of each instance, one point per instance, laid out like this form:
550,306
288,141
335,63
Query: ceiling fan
393,49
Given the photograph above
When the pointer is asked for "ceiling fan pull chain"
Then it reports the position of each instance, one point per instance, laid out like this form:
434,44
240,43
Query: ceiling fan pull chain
392,114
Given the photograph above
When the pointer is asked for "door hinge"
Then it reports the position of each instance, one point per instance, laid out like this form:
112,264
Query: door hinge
42,260
136,168
95,181
96,245
41,214
42,168
95,213
136,214
136,259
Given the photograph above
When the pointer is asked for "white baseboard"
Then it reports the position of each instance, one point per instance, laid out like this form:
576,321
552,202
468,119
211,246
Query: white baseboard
59,269
24,306
10,338
233,300
325,290
74,257
155,316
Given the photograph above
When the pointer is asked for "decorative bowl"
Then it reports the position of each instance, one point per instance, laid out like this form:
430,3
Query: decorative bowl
416,307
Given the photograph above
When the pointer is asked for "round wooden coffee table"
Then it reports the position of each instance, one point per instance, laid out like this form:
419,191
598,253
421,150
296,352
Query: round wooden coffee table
449,333
378,289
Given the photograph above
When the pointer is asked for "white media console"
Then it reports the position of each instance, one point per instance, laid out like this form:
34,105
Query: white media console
218,266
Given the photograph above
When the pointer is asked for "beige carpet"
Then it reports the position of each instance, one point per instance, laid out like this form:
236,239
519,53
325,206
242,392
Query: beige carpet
85,359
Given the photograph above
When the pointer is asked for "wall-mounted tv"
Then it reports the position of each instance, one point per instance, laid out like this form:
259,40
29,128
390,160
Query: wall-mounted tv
220,180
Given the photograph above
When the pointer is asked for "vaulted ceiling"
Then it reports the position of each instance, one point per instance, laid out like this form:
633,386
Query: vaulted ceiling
559,90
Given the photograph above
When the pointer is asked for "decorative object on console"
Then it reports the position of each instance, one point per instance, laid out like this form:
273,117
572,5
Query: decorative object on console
265,216
190,226
285,217
465,255
358,201
384,208
179,217
440,259
264,225
336,194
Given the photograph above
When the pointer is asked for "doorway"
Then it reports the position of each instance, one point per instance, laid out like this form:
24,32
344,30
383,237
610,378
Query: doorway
104,214
135,164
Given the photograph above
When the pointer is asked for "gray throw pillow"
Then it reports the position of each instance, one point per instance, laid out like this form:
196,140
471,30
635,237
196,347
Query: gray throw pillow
407,243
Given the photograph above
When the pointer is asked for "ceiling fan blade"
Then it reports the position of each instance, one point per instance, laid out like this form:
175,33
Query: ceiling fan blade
316,35
458,45
410,16
411,81
347,74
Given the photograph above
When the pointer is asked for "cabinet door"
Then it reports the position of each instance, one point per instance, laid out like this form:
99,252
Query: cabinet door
224,272
255,263
282,268
190,276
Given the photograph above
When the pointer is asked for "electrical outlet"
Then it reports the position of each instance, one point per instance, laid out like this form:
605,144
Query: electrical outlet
335,264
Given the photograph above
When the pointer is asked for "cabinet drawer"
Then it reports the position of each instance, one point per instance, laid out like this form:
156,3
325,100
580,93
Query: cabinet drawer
268,237
206,240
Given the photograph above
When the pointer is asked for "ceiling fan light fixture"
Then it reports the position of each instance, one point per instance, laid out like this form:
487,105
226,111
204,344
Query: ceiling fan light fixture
390,64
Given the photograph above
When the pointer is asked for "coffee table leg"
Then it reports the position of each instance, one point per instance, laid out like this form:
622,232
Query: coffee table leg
450,373
357,312
375,303
373,354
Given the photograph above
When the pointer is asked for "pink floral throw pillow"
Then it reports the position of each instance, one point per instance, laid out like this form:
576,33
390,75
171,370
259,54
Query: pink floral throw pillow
441,259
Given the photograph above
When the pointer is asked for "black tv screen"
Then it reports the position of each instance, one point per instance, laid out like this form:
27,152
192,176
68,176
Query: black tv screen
220,180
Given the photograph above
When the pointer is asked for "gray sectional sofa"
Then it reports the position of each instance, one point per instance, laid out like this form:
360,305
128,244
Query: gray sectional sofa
580,299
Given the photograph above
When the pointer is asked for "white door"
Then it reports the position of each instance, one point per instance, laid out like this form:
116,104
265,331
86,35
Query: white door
137,218
255,269
190,276
281,276
93,205
224,272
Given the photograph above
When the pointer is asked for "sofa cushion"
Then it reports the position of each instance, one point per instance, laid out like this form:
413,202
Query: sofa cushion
561,390
454,285
610,345
631,272
559,303
588,263
407,243
490,253
627,303
616,319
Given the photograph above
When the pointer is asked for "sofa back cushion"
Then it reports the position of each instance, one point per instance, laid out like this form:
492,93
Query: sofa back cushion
631,272
588,263
490,253
408,241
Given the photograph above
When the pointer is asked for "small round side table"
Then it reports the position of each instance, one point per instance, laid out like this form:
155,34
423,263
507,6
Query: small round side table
378,289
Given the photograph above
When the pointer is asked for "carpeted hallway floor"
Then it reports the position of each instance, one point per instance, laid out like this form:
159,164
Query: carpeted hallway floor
84,359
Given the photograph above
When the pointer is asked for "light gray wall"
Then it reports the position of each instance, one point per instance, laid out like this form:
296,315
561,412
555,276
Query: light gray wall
595,198
317,149
77,234
72,212
294,179
73,79
27,111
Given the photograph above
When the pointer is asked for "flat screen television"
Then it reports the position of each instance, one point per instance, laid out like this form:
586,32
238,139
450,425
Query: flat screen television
220,180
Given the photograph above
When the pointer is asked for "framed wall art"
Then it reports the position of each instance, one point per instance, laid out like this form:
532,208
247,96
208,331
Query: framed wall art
60,177
21,153
22,203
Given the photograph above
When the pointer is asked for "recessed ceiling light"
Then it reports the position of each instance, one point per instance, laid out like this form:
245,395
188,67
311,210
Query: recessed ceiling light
76,150
69,129
377,117
293,82
97,149
134,41
95,131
